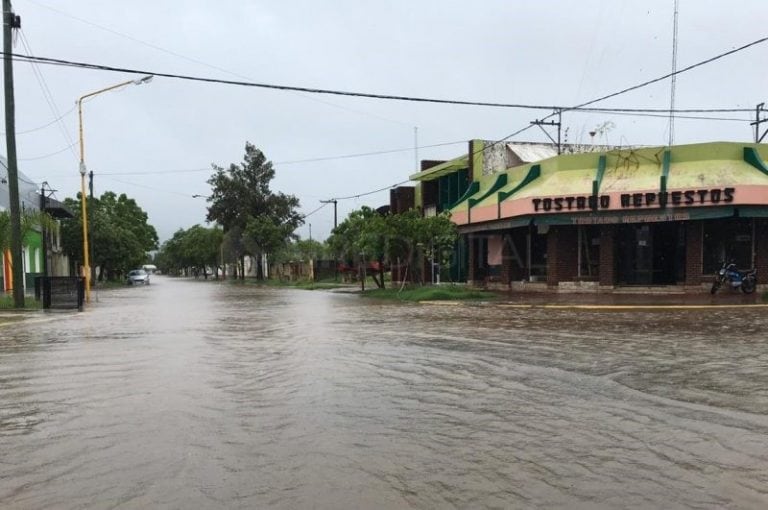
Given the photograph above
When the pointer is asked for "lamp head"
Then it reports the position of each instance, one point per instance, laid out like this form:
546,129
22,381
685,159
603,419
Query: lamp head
145,79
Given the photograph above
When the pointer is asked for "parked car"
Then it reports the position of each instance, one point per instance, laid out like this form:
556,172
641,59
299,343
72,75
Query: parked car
137,277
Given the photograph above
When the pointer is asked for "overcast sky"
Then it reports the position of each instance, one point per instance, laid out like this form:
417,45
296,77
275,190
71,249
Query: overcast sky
539,52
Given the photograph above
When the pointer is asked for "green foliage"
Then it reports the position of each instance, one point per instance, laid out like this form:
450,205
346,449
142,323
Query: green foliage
255,219
366,235
31,220
304,250
6,303
437,293
120,234
195,250
265,234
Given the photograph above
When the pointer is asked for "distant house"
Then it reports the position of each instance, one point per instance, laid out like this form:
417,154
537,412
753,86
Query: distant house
32,247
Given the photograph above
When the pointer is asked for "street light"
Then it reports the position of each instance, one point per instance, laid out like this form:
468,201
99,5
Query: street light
83,196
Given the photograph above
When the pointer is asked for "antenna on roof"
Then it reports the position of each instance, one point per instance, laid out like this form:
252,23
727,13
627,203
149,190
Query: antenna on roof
674,78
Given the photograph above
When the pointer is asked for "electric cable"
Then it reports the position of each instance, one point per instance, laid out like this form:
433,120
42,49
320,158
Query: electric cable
48,95
202,63
99,67
314,211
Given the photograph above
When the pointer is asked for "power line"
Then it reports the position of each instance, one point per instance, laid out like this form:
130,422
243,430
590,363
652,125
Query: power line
50,154
39,128
48,96
669,75
152,188
292,162
582,105
99,67
315,210
202,63
363,154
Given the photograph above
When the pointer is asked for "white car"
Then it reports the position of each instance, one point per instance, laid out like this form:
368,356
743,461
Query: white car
137,277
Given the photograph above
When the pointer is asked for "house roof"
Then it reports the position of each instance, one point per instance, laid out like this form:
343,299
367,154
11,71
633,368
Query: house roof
28,194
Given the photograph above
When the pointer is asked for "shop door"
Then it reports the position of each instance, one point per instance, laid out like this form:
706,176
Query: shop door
649,254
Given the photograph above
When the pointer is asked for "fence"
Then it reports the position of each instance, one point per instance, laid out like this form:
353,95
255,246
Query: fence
60,292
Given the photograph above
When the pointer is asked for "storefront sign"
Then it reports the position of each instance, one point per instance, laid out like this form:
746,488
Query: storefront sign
635,218
677,198
635,200
579,203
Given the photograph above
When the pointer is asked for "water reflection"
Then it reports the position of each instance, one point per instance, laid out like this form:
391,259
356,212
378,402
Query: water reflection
209,395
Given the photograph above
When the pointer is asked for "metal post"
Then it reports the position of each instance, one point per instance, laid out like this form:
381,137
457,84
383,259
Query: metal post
432,252
43,208
90,227
335,224
84,198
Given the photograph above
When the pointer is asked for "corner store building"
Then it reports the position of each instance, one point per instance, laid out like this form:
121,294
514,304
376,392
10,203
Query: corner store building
604,221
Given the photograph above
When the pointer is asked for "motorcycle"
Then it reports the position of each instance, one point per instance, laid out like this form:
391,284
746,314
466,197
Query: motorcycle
728,273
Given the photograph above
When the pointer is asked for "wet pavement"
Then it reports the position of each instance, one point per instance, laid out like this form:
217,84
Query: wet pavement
189,394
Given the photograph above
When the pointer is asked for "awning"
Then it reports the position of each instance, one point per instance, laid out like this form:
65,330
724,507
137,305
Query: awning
57,209
442,169
494,225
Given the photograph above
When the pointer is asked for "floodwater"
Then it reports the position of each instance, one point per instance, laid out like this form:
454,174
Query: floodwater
188,394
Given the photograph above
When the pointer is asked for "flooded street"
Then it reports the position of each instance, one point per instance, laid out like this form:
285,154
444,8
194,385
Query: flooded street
210,395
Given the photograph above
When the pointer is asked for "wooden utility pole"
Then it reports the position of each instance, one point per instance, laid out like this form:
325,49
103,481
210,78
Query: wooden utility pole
11,21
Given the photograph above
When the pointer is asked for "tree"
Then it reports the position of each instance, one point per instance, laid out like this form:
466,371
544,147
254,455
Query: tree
31,220
407,237
256,220
361,237
195,250
120,234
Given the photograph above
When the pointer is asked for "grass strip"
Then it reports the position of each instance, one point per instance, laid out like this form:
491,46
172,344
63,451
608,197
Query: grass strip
431,293
6,303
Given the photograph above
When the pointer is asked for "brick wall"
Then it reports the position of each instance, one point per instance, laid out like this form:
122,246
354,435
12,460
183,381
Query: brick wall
607,256
401,199
562,254
694,252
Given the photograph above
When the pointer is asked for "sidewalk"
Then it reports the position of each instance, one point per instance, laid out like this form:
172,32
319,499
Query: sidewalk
621,301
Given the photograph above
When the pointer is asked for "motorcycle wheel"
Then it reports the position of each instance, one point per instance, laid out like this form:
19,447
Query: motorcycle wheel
748,286
715,286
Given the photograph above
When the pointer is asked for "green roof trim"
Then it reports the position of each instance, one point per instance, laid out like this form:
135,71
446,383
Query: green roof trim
533,173
477,148
501,181
752,157
752,211
436,171
473,188
599,175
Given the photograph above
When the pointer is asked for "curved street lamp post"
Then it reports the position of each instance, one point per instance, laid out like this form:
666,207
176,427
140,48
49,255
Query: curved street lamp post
83,195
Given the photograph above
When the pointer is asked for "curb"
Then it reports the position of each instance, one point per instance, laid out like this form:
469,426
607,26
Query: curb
598,307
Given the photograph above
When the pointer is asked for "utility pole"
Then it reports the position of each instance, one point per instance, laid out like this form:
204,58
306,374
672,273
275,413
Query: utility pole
759,109
334,202
559,125
43,209
335,224
11,21
90,229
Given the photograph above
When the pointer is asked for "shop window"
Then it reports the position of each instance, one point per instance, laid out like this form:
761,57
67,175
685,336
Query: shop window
728,240
537,253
